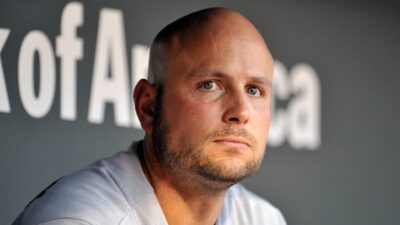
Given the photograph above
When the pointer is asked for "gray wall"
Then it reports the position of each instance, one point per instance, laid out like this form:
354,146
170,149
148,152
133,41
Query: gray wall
346,174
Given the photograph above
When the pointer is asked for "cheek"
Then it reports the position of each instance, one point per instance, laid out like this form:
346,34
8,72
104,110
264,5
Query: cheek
186,116
261,124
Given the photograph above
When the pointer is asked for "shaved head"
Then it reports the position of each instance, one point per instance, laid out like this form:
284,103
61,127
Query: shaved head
200,28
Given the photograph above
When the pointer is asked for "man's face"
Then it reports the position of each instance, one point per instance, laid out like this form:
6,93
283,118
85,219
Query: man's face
212,116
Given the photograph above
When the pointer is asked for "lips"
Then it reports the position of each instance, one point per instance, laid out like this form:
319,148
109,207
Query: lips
233,141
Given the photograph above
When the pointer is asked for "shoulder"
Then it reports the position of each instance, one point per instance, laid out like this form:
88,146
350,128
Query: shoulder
90,195
244,207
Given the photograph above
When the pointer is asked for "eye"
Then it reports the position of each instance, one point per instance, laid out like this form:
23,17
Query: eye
209,85
255,91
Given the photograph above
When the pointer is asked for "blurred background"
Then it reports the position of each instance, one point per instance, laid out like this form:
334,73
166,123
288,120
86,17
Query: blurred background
67,69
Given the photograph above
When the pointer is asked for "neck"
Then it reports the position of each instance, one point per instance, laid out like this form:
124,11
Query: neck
182,201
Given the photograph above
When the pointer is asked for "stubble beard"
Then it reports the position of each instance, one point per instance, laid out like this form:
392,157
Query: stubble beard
189,163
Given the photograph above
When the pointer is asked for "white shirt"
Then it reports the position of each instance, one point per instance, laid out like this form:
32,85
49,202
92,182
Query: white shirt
115,190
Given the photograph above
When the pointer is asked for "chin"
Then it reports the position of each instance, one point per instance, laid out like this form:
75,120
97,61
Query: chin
229,170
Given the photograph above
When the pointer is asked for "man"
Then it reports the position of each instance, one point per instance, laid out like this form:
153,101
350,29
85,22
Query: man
205,111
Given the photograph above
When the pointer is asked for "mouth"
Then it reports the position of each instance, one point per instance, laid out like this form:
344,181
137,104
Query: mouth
233,141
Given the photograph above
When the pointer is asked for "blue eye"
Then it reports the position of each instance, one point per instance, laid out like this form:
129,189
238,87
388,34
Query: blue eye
254,91
208,85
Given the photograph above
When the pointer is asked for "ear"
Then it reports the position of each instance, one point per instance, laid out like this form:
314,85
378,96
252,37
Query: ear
144,96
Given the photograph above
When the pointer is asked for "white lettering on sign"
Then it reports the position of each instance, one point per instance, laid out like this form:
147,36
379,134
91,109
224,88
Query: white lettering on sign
70,49
4,102
36,42
110,52
299,123
296,112
305,108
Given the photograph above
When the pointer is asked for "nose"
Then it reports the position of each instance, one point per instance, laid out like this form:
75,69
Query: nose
237,109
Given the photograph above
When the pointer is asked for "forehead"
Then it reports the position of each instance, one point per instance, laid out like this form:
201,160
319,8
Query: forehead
231,56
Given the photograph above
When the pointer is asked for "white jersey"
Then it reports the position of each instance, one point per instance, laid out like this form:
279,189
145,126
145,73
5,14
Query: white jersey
115,190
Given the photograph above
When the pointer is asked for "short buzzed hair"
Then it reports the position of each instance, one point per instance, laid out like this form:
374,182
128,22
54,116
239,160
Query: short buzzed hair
188,25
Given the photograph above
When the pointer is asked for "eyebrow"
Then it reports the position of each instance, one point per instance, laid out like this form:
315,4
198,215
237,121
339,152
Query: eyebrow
261,79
